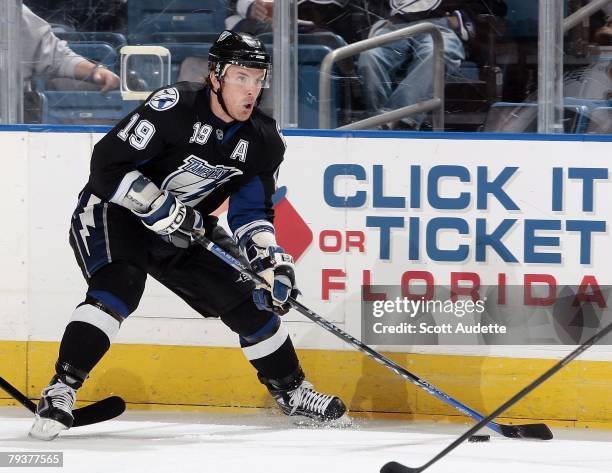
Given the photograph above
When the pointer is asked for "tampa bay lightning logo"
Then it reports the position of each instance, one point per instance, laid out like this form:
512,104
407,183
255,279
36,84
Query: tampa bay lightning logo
195,179
413,6
224,35
164,99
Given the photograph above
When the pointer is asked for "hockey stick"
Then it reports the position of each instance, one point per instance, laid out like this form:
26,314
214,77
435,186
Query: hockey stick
535,431
395,467
99,411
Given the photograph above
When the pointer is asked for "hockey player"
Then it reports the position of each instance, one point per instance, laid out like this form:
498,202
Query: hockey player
155,178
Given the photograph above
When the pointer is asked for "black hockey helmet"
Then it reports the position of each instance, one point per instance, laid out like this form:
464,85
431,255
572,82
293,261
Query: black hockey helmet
240,49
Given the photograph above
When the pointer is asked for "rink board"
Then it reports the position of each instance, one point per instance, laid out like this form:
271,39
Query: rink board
336,186
180,377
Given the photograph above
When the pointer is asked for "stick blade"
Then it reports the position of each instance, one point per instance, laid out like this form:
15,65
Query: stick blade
527,431
100,411
395,467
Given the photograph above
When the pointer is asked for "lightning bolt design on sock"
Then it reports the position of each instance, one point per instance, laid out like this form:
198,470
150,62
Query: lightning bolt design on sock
87,219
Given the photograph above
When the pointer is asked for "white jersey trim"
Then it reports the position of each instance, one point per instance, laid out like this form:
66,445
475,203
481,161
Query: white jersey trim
98,318
268,346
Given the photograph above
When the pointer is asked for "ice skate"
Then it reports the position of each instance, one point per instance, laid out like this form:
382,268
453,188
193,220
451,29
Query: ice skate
54,411
304,400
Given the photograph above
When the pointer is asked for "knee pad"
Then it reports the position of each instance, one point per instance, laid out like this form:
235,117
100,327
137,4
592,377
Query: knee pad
117,288
246,319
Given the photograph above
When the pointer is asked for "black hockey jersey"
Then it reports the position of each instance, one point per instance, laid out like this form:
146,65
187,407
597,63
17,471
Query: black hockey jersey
176,141
418,10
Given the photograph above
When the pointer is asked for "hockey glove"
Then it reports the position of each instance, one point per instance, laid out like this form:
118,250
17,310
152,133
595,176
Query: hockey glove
172,220
276,267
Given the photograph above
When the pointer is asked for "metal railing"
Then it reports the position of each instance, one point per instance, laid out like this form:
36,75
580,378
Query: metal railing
584,12
551,29
435,104
11,84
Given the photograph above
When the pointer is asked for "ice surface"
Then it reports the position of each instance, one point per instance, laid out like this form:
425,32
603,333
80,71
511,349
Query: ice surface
265,441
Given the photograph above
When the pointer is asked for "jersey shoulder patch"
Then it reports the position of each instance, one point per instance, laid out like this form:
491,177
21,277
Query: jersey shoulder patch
413,6
164,99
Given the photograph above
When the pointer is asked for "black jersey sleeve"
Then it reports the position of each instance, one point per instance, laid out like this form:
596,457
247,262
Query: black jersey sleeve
252,202
136,139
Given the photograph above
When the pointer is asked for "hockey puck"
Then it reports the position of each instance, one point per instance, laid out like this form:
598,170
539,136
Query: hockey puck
479,438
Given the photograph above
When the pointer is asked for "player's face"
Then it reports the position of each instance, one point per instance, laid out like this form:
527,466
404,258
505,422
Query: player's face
241,87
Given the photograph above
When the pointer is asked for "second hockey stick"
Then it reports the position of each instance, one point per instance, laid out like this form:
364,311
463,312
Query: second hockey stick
534,431
99,411
395,467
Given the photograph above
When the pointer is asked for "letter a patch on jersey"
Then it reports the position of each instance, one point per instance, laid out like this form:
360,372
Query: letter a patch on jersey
240,151
195,179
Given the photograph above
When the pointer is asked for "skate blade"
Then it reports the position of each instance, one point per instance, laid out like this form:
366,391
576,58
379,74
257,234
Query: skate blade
344,422
46,429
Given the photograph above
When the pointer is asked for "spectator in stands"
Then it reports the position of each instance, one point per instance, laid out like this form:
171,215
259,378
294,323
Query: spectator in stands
398,74
250,16
591,80
346,19
337,16
43,53
90,15
603,23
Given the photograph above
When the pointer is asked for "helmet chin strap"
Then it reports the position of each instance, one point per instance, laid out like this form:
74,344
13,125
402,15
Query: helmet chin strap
219,94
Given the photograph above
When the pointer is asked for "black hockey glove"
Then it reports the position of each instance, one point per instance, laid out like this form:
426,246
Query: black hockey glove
172,220
277,268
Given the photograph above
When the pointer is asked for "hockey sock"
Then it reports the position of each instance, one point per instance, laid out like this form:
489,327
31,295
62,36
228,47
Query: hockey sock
270,349
87,337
